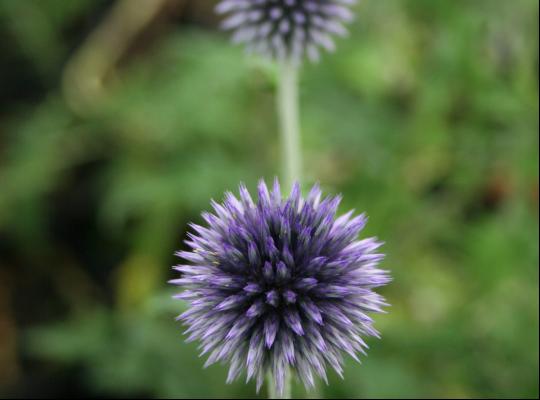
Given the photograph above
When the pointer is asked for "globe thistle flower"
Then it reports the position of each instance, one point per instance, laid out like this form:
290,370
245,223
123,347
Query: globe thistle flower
280,284
286,29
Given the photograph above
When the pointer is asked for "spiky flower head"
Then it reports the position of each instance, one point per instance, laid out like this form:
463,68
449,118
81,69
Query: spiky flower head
280,284
286,29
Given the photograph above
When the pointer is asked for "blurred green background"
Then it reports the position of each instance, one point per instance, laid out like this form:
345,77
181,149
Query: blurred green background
119,121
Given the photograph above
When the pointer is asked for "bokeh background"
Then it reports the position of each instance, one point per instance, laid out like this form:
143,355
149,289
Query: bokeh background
120,120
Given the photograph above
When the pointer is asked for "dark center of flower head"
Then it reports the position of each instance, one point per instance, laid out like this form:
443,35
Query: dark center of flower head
280,282
286,28
274,268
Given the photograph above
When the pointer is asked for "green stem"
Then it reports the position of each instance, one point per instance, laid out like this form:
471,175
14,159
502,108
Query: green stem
273,393
287,100
287,107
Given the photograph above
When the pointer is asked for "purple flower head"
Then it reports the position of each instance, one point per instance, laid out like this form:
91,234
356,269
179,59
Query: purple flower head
279,284
286,29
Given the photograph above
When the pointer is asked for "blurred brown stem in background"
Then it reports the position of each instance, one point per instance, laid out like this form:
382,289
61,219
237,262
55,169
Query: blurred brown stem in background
85,73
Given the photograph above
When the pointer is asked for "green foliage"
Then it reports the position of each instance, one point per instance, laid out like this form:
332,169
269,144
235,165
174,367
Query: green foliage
133,353
426,118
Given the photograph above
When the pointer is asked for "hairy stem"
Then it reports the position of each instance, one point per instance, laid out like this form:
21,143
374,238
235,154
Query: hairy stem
287,100
273,392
